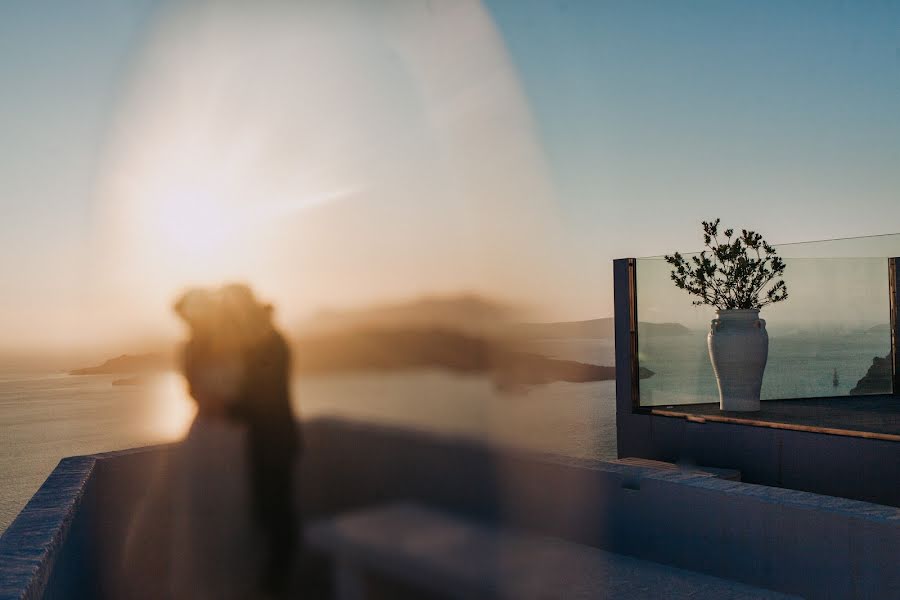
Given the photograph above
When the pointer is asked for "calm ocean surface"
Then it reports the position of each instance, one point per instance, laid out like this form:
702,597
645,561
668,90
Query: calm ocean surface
47,416
799,366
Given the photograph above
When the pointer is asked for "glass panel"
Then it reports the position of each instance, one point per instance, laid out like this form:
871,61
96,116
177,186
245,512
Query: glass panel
856,247
822,340
859,247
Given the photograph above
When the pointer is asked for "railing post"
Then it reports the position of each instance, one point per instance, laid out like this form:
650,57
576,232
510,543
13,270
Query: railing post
627,368
894,280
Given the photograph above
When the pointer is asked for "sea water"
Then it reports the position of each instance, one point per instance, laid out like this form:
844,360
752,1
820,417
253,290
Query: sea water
47,416
800,365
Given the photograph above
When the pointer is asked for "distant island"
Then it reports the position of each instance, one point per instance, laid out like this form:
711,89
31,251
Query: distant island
394,350
474,315
469,313
128,364
882,328
137,380
464,334
593,328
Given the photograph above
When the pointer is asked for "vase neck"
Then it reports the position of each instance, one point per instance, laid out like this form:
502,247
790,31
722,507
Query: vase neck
738,314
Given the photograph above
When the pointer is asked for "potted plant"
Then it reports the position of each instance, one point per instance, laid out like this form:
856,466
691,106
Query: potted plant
738,276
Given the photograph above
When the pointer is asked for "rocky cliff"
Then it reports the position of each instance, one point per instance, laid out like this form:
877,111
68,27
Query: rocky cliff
877,379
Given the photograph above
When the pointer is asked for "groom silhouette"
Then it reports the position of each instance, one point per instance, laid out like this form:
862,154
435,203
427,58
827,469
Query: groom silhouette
263,403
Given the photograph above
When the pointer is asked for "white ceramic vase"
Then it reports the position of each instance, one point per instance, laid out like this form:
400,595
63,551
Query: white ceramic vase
738,348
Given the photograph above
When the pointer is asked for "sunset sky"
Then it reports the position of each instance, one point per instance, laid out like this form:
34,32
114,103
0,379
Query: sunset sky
337,154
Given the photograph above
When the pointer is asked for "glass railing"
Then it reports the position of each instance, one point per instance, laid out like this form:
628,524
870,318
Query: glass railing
827,339
852,247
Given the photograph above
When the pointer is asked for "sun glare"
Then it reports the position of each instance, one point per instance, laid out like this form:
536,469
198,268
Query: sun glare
194,223
206,179
173,409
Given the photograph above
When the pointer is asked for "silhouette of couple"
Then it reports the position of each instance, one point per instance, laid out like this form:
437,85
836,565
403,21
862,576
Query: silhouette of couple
235,529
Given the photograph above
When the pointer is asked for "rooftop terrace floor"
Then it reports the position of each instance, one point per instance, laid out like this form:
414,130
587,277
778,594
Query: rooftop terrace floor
875,416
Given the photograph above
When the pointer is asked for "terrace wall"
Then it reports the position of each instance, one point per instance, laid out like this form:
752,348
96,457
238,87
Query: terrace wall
780,539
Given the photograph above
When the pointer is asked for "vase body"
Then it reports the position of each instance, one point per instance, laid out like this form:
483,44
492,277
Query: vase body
738,349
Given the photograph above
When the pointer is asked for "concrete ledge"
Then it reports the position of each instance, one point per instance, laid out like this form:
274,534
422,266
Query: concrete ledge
785,497
30,547
50,538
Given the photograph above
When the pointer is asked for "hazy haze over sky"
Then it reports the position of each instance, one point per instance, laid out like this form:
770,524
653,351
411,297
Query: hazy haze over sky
338,155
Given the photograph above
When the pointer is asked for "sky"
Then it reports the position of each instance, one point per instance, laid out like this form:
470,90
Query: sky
337,154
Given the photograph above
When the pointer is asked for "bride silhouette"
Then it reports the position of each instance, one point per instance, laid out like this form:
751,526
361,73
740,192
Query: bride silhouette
235,533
